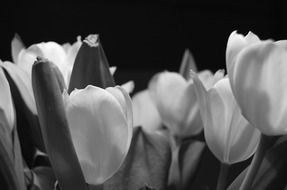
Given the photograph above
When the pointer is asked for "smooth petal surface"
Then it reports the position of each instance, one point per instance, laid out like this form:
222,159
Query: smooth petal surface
260,79
6,103
129,86
145,113
236,42
176,102
187,64
228,134
16,46
23,82
100,131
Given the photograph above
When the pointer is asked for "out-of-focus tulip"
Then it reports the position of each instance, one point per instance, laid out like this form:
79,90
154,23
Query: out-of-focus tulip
258,77
100,123
145,113
228,134
6,103
176,101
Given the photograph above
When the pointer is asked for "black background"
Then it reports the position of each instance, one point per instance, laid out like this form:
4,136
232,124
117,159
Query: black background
144,37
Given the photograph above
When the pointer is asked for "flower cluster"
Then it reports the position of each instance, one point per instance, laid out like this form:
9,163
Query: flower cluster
66,124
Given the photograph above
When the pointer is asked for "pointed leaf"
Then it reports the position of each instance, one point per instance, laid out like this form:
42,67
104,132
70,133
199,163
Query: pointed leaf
91,66
54,127
147,163
27,125
187,64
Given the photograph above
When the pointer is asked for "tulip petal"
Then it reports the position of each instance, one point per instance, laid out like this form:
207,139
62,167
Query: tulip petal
128,86
6,103
145,113
99,131
260,74
187,64
16,46
176,102
236,42
113,70
23,82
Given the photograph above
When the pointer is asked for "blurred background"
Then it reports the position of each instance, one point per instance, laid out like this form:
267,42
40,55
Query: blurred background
144,37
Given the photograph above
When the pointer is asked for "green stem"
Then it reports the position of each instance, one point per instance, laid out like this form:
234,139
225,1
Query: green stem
222,178
264,144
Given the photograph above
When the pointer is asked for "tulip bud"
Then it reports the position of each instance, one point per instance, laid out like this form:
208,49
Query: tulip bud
258,82
100,122
176,103
228,134
91,66
145,113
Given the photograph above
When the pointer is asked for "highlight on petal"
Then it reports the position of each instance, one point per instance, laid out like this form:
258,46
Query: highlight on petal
260,79
176,102
236,42
16,46
228,134
6,102
145,113
113,70
128,86
23,83
99,130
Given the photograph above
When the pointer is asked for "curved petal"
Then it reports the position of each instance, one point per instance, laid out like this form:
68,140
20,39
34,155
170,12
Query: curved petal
176,102
99,132
145,113
260,79
23,82
113,70
6,102
128,86
237,42
16,46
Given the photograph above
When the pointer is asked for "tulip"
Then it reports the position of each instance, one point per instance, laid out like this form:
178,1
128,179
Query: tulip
176,101
145,113
100,122
258,76
228,134
6,103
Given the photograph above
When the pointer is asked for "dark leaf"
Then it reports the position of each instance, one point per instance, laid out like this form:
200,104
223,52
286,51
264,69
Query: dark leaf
147,163
188,158
91,66
54,127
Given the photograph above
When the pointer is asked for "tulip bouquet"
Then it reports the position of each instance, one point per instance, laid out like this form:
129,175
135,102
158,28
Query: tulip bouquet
66,124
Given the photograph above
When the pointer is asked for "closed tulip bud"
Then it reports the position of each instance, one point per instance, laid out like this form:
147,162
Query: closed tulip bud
258,81
228,134
100,123
176,102
145,113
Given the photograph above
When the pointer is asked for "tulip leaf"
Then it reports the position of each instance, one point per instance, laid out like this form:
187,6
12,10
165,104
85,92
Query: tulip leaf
189,156
27,125
11,168
235,185
187,64
273,169
91,66
54,127
147,163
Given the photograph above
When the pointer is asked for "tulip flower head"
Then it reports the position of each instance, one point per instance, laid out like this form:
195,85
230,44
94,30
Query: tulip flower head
100,123
228,134
177,103
258,77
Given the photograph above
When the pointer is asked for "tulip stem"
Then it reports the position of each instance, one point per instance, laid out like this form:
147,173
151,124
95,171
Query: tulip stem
265,143
222,178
